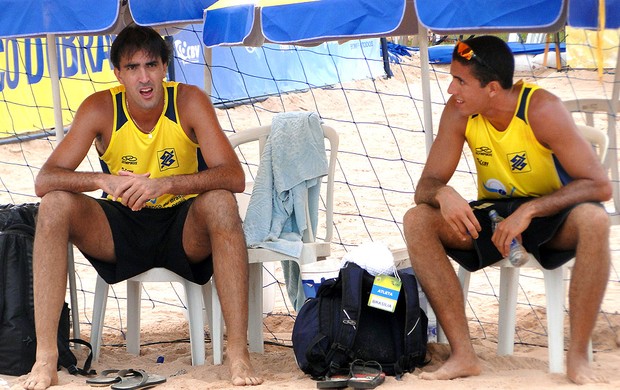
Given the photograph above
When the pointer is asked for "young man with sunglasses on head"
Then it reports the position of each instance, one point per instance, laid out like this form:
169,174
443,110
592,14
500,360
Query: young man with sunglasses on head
537,171
161,207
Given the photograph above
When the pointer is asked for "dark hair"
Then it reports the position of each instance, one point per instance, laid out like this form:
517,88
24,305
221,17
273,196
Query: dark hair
134,38
494,62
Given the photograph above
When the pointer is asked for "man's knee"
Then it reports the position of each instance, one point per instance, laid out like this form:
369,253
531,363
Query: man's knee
418,217
56,206
591,219
218,206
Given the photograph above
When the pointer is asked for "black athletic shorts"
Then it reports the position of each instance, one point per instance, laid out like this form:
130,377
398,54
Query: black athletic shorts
146,239
540,231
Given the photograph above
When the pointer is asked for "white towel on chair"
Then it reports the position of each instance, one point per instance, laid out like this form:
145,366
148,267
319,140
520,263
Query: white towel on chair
290,169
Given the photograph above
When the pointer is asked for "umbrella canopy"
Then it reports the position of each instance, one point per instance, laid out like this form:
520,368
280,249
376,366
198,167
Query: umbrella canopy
587,14
305,22
482,16
37,18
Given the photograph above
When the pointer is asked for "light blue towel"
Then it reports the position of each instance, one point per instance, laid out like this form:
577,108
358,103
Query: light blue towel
289,174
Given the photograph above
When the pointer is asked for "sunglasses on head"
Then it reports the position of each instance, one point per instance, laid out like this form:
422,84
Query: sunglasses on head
465,51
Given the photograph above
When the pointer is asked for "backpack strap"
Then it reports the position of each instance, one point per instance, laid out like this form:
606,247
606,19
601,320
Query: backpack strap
341,353
67,359
416,325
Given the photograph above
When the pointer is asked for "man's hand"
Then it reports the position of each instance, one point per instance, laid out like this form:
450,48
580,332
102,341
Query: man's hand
132,189
509,229
457,212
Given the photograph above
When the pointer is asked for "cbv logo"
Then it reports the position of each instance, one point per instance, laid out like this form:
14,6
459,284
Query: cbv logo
187,53
167,159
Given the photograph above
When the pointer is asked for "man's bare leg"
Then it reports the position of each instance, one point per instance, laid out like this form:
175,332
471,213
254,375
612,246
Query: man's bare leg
590,224
230,268
424,230
59,215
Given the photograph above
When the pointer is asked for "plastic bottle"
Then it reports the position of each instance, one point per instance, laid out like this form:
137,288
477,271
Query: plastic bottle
430,314
518,255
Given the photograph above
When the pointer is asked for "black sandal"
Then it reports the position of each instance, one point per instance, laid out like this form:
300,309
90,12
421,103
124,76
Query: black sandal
366,375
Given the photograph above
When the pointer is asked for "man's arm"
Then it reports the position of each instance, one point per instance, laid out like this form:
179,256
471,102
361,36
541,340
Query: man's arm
225,171
433,188
554,127
58,172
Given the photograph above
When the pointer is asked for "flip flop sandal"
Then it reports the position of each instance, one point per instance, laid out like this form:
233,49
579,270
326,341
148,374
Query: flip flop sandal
336,381
366,375
138,379
106,378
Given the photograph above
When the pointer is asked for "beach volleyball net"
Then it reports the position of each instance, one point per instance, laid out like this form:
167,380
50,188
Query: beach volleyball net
375,103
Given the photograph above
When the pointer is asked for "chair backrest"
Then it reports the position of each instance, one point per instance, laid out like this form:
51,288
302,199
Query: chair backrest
597,138
602,113
596,113
260,134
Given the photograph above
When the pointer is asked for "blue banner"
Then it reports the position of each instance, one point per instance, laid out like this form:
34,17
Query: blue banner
242,73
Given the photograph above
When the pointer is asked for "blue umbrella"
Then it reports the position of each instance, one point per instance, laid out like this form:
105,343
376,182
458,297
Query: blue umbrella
254,22
480,16
38,18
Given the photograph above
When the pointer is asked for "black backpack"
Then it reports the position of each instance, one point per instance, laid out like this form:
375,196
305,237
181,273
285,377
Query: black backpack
338,327
17,332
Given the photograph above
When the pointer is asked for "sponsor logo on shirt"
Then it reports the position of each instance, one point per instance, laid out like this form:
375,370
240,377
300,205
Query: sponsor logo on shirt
129,160
167,159
496,186
484,151
518,162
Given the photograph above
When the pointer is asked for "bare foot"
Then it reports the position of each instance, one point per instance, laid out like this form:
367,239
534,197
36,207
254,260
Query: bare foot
241,371
42,376
455,367
578,370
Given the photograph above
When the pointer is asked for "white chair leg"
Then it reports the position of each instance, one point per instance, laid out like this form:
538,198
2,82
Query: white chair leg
464,277
555,291
75,312
193,296
255,308
215,320
509,283
134,292
99,305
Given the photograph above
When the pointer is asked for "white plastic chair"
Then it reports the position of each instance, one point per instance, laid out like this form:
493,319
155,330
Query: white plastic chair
194,294
555,288
603,111
312,251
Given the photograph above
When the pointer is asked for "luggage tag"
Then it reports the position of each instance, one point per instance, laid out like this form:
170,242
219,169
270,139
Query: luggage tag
385,291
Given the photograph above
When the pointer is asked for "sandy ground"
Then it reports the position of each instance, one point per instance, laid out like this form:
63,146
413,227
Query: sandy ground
164,327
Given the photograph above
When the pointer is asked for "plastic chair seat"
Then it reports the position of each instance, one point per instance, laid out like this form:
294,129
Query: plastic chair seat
195,296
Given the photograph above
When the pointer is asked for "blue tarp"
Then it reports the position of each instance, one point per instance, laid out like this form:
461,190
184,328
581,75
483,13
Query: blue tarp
442,54
242,73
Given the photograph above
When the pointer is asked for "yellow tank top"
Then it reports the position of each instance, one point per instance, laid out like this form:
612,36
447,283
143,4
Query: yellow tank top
166,151
512,163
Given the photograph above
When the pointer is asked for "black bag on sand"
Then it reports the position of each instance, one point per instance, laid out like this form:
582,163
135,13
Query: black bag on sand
17,332
338,327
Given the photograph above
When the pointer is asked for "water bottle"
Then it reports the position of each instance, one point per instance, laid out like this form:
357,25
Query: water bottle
518,255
